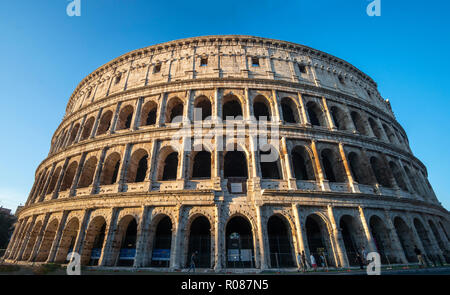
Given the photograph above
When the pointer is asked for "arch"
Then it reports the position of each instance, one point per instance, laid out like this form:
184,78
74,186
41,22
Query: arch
359,123
380,172
332,166
110,169
148,114
406,238
73,134
340,119
87,128
125,117
69,176
280,242
398,176
231,107
239,244
47,241
349,231
174,110
380,234
87,175
68,238
289,110
31,241
438,239
412,179
235,164
204,104
302,163
315,114
261,108
357,169
270,169
389,133
93,241
375,128
201,167
105,123
423,235
138,166
200,241
170,167
162,242
54,180
126,241
318,237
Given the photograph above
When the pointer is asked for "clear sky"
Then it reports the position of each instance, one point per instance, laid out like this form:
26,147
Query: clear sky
44,54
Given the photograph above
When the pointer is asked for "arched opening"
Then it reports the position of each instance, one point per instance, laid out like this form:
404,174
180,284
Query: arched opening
110,169
127,246
302,164
290,112
174,111
315,114
93,241
231,107
318,239
68,176
332,166
125,117
349,231
444,230
105,123
357,169
424,238
162,242
406,239
380,172
54,180
261,108
202,108
235,165
87,129
440,242
389,134
412,179
200,242
201,167
137,169
73,134
148,114
375,128
170,168
398,176
280,242
382,240
47,241
359,123
270,167
87,175
68,239
31,241
239,243
339,118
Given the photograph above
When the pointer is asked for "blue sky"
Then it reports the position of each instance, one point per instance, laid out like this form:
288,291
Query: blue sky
44,54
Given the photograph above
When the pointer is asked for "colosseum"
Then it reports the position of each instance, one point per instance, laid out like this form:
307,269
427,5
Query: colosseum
160,154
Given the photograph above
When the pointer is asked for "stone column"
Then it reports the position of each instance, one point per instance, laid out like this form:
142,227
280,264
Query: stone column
37,244
60,178
124,166
98,171
337,239
331,124
353,184
77,137
324,184
299,228
219,239
55,245
82,232
160,114
277,117
176,240
262,238
26,238
18,226
303,113
143,233
137,114
434,243
395,241
105,256
97,120
74,186
47,183
366,228
292,182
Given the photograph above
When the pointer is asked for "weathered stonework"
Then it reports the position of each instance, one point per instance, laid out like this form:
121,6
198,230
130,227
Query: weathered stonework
346,177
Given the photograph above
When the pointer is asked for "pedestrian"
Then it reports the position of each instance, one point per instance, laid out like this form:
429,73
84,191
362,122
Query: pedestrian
364,256
192,264
360,260
313,262
322,261
299,262
419,257
304,262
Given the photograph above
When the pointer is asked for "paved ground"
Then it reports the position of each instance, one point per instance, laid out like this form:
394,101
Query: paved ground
6,269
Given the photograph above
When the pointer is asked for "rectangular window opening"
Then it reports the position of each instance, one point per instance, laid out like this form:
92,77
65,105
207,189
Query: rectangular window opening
255,62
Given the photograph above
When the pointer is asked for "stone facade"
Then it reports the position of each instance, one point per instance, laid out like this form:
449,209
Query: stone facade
116,189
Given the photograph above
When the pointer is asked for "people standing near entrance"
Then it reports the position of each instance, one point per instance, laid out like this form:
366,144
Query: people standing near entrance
313,262
322,261
192,264
419,256
304,262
